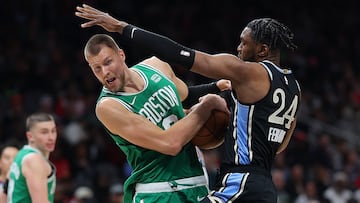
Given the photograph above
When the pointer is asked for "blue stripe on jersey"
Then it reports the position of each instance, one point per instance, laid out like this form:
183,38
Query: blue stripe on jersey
242,134
233,185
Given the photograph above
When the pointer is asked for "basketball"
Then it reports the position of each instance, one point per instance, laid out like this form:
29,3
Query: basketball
212,134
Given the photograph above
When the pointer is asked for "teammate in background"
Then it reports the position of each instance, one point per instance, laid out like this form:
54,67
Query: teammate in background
7,154
264,100
32,175
165,167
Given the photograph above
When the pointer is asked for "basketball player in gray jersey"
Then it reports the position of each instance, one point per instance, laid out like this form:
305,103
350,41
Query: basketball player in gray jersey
140,107
264,100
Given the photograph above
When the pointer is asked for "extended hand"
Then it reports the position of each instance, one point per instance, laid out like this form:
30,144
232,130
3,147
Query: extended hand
97,17
215,102
223,84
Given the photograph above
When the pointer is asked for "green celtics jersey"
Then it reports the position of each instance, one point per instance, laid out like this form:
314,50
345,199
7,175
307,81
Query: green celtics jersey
18,191
159,102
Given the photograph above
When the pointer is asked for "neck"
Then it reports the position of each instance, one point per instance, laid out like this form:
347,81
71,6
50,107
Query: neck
134,83
275,58
45,154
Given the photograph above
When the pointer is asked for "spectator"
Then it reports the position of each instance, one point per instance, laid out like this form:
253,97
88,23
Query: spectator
309,195
116,193
338,191
83,194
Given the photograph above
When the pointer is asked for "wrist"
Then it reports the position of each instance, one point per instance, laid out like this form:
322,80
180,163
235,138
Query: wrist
126,30
121,27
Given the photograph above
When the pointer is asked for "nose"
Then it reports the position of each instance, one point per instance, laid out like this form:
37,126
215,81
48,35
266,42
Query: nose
105,70
239,48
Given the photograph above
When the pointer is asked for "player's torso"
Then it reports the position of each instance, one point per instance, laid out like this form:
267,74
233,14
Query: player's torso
158,102
17,188
258,129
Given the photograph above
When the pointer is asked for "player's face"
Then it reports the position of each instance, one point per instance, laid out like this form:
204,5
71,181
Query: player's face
109,68
43,136
7,157
247,47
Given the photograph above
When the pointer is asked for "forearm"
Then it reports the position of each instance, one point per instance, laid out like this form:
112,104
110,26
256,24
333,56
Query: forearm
197,91
162,47
185,129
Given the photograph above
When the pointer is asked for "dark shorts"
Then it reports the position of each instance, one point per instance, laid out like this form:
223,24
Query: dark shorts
245,187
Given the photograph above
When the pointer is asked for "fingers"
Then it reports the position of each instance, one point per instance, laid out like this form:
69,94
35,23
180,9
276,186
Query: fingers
88,24
87,9
85,15
217,102
91,9
89,13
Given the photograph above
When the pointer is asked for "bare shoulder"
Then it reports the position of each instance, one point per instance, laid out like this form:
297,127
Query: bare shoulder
114,115
33,162
33,158
107,105
160,65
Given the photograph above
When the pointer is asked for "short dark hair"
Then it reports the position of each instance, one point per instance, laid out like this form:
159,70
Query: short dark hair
271,32
37,117
95,43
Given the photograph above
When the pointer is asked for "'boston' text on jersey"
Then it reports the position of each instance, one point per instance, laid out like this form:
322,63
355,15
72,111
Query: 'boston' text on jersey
159,103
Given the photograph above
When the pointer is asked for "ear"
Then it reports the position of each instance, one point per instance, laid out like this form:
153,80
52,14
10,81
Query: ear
263,50
29,135
122,54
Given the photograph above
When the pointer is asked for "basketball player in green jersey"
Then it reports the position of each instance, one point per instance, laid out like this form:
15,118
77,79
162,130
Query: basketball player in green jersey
165,166
32,176
7,155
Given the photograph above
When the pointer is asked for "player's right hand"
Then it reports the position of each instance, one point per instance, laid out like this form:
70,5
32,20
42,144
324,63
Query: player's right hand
223,84
215,101
100,18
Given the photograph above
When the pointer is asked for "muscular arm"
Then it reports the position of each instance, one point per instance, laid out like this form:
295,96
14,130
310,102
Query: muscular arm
140,131
249,80
36,171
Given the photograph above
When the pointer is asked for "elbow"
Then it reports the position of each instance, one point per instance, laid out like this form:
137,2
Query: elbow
172,149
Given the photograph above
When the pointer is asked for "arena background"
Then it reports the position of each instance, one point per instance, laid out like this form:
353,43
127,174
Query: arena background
42,68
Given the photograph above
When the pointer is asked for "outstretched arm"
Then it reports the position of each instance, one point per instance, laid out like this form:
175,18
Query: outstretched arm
248,79
213,66
141,132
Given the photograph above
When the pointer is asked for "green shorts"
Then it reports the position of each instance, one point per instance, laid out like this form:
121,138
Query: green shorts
189,190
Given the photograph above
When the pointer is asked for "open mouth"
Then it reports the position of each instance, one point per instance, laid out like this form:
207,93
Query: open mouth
109,81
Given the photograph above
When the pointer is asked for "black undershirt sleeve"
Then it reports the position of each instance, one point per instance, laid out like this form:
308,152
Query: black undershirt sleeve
197,91
161,46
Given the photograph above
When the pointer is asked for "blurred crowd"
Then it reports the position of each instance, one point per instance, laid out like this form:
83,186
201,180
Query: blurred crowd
42,68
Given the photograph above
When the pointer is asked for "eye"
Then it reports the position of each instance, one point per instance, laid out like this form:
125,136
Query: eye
108,62
96,69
